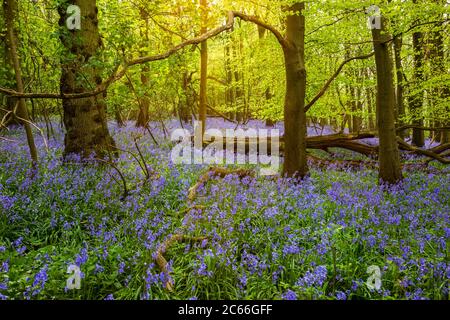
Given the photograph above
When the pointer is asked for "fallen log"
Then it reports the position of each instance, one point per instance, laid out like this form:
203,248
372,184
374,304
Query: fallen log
427,153
344,141
440,148
354,164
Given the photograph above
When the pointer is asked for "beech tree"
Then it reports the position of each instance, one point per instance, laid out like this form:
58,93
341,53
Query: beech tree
390,169
264,68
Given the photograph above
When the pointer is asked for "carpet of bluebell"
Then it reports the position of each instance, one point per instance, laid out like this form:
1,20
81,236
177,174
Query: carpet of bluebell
265,238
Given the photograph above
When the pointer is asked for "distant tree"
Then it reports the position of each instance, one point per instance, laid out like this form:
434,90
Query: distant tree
10,9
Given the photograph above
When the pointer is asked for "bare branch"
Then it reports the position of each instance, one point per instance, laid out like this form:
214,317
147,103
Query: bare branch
403,145
412,126
333,77
117,75
281,39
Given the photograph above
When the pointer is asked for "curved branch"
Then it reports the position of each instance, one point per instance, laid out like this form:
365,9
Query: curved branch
281,39
159,255
333,77
117,75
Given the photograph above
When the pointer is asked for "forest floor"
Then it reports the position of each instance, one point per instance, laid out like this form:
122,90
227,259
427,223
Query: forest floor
240,237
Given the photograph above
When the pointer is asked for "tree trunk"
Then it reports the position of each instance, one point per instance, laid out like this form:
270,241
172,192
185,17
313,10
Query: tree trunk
267,93
416,99
229,91
239,89
388,154
400,110
295,158
203,67
370,107
185,113
442,92
7,62
84,119
119,118
357,120
10,7
144,101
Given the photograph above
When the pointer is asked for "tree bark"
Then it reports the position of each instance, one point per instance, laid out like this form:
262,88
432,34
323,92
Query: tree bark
268,94
8,68
10,7
186,105
416,99
442,92
144,101
390,169
84,119
400,110
295,160
238,79
203,67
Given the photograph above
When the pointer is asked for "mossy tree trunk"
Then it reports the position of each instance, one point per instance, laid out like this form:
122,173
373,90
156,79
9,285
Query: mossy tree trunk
84,119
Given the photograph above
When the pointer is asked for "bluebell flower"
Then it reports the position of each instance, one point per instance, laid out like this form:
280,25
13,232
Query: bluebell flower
82,257
341,295
289,295
109,297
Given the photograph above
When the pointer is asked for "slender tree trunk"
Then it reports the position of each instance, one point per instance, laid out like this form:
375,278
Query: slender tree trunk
185,113
389,157
229,91
84,119
8,67
442,93
119,118
268,94
416,99
357,109
400,110
370,108
203,67
10,7
144,103
239,89
295,159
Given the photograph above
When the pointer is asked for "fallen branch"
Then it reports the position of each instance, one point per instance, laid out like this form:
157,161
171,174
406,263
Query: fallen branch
217,172
440,148
159,256
344,141
354,164
187,210
412,126
427,153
